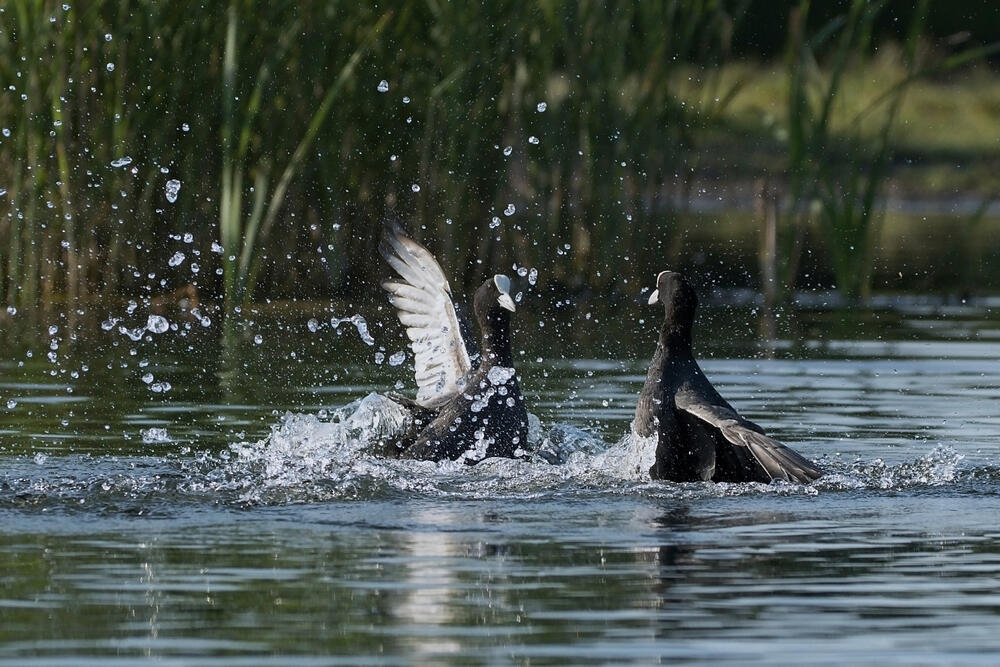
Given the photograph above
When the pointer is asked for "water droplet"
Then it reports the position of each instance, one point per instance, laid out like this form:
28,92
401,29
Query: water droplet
171,189
107,37
148,378
397,358
508,150
415,187
12,311
406,100
258,339
3,191
185,127
383,86
11,404
542,106
121,162
533,140
157,324
154,434
533,276
110,67
495,222
313,325
217,248
359,323
188,237
177,258
509,210
379,358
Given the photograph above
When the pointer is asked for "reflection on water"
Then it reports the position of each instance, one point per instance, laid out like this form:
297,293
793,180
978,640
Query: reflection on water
204,525
617,579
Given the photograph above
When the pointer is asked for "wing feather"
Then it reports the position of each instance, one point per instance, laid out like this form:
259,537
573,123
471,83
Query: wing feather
424,306
779,461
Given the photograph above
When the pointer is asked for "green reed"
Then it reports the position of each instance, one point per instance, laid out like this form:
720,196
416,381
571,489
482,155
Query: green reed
289,157
837,175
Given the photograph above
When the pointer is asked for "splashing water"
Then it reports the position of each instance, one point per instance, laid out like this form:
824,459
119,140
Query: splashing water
359,323
172,189
348,454
155,435
157,324
939,466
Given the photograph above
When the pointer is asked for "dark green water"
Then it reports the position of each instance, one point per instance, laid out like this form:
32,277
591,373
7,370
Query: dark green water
201,525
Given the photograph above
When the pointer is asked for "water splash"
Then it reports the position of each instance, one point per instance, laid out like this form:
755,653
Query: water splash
938,467
172,189
359,323
342,454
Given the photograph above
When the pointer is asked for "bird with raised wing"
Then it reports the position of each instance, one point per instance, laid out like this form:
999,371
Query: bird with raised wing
701,437
468,404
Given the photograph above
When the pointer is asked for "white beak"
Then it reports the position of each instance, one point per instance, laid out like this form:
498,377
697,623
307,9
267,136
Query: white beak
506,302
654,297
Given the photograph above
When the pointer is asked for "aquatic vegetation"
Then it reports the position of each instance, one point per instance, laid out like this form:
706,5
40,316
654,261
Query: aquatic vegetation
837,175
579,135
242,236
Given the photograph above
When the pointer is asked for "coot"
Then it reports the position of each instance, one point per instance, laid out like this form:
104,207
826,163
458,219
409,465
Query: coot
701,437
468,404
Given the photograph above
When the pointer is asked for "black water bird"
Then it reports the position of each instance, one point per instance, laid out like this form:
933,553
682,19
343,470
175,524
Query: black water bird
700,437
468,404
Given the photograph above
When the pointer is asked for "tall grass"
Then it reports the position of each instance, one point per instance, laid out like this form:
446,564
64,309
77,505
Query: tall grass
270,119
242,235
288,155
837,175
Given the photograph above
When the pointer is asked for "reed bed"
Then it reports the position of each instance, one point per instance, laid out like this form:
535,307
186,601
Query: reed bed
252,150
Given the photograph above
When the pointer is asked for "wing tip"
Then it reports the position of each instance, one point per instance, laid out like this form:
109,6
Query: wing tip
783,462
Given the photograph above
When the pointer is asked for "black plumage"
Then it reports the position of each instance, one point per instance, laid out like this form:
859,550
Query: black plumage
468,404
700,436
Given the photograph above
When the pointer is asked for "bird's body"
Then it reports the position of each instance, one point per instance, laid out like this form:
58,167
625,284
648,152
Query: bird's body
467,405
701,437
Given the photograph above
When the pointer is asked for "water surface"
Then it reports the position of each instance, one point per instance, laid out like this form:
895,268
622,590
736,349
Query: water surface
232,519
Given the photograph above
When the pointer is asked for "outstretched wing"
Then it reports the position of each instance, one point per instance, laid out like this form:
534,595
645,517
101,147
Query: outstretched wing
777,460
423,304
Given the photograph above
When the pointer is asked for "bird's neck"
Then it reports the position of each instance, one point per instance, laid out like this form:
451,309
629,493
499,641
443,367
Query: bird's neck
674,343
496,341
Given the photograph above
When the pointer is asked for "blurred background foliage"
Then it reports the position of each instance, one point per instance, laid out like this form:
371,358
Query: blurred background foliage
752,143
